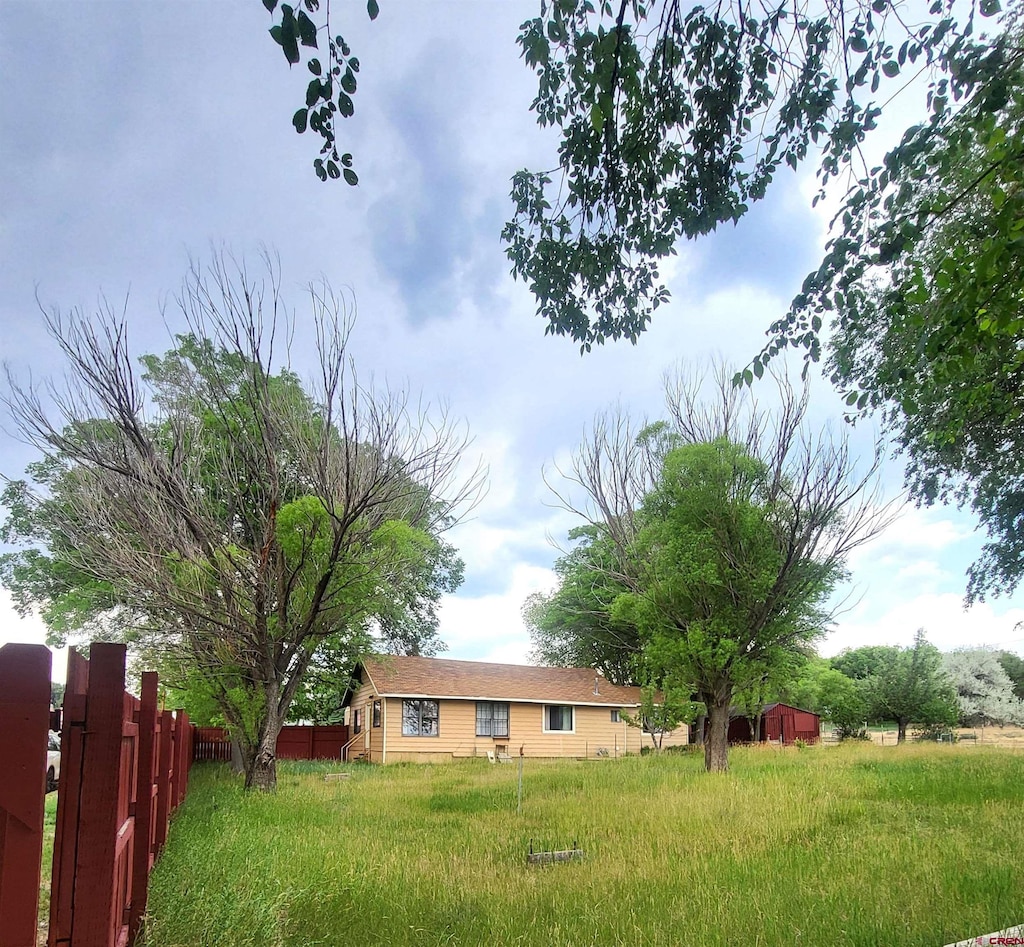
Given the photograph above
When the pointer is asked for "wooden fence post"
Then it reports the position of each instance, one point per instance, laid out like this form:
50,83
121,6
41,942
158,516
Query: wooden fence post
24,725
69,801
163,779
100,838
145,815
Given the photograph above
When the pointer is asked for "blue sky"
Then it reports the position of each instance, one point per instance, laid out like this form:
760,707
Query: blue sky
135,135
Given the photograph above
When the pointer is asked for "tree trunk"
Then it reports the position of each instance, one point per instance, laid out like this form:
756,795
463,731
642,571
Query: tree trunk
698,729
716,747
260,758
757,726
901,733
237,765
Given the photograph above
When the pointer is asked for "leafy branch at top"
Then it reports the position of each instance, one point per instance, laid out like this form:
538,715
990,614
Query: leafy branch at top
330,90
673,121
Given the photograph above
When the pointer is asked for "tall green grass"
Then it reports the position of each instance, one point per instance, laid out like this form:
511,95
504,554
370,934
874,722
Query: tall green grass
849,845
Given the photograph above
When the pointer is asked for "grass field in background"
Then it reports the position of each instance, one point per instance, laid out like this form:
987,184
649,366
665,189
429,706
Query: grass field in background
917,845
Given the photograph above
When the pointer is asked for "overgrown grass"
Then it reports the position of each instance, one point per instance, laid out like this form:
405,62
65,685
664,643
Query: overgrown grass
851,845
46,867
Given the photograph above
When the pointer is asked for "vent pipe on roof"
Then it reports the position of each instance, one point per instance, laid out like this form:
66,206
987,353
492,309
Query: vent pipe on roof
597,679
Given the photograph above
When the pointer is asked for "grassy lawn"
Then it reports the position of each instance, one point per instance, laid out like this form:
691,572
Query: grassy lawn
921,845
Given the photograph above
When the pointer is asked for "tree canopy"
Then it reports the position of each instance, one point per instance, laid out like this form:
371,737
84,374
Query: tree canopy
217,510
984,691
907,685
573,626
712,542
673,120
923,285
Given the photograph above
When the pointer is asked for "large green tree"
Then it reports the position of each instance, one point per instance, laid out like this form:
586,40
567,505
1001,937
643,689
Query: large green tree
216,508
721,598
726,528
1013,664
905,685
912,688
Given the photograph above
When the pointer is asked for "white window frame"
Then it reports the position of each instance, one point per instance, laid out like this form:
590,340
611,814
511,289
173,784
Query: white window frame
545,718
616,715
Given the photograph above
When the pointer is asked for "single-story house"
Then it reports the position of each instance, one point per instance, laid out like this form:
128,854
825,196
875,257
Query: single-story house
780,723
434,710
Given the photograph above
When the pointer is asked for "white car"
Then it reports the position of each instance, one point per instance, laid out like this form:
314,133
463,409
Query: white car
52,761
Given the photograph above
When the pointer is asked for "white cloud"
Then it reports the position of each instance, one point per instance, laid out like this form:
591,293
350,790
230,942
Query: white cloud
946,622
31,630
490,627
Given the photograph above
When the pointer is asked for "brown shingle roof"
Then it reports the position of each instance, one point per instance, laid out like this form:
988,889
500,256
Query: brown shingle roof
394,676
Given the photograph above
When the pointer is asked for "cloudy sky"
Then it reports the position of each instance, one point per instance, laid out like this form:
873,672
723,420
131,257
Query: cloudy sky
135,136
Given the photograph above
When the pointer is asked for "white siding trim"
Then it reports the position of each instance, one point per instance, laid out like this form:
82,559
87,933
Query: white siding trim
547,701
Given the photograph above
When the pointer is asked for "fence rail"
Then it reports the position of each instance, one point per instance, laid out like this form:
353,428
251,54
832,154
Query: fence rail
293,743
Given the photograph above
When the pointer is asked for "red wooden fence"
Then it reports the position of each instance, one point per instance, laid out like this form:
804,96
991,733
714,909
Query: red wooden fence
24,721
124,769
293,743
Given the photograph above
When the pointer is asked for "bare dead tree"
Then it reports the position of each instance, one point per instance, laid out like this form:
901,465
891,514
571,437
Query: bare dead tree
817,501
239,518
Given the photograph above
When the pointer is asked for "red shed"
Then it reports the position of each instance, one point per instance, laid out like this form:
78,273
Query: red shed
779,722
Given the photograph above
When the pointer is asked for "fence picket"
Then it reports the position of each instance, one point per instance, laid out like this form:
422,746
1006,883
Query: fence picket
24,722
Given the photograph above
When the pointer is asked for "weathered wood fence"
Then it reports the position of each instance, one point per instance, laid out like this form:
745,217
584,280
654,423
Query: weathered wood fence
293,743
124,769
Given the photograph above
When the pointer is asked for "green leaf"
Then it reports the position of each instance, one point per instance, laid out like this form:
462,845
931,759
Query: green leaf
314,66
596,118
989,7
891,68
345,105
299,121
288,35
321,171
348,82
373,9
851,398
333,171
270,5
351,177
312,93
307,29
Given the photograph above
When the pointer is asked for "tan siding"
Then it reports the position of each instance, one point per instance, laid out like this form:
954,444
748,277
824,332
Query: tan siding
369,743
593,730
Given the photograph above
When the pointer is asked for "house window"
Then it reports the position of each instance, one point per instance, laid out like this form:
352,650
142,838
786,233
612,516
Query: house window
419,718
558,718
376,713
491,718
615,715
357,723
